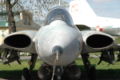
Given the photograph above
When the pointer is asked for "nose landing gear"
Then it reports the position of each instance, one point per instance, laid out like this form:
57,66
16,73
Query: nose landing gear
71,72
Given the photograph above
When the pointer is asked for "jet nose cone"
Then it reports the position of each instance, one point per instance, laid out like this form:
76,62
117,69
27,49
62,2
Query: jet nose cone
63,55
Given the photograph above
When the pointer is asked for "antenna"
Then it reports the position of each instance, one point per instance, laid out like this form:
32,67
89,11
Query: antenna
54,66
58,51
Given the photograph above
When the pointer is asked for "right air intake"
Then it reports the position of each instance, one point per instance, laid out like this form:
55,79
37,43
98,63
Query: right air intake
99,41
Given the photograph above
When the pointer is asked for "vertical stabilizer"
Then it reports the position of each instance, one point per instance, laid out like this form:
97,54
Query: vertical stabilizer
81,6
81,9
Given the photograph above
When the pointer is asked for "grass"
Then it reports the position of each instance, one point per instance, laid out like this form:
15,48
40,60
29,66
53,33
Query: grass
16,66
104,70
14,70
117,39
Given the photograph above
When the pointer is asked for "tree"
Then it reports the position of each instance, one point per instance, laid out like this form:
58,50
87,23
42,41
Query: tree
11,21
40,8
13,54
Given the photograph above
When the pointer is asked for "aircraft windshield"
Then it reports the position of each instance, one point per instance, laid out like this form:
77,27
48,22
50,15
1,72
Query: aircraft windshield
59,14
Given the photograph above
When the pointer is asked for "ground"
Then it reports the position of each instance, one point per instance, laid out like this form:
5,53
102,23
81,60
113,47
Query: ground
105,71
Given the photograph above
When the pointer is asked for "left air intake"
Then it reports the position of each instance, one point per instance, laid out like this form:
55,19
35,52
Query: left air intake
18,41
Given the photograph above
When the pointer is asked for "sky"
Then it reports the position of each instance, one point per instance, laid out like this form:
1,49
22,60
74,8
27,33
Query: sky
105,8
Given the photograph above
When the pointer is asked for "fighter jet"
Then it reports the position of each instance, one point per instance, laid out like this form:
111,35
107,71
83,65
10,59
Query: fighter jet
58,44
85,18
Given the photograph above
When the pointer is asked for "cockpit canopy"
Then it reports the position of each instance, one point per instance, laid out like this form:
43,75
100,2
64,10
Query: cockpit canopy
59,13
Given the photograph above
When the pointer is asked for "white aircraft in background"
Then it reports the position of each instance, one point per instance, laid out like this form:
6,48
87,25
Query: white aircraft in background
84,17
58,43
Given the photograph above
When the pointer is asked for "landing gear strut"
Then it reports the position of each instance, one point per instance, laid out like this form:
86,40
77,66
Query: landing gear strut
90,70
27,73
46,72
107,56
71,72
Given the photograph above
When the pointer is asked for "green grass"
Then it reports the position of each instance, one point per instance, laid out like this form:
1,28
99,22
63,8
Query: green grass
104,70
16,66
117,39
14,70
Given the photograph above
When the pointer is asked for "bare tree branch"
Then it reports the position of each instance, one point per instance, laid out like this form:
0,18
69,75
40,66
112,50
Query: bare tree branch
14,2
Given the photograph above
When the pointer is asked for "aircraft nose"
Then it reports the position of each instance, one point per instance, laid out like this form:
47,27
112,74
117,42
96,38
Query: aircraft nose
64,54
58,42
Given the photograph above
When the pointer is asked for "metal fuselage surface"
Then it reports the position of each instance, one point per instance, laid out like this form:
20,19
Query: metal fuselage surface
58,33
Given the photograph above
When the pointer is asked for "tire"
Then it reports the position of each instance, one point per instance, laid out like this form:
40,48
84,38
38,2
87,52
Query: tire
72,73
26,75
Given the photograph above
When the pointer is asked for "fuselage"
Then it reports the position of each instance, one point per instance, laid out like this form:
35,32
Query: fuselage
107,25
60,34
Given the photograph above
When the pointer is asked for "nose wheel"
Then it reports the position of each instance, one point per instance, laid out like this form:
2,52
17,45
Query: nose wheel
45,72
71,72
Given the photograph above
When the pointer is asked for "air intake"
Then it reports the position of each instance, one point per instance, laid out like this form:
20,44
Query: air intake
99,41
18,41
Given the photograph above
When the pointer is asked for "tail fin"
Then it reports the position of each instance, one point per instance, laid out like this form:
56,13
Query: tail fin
81,12
82,8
